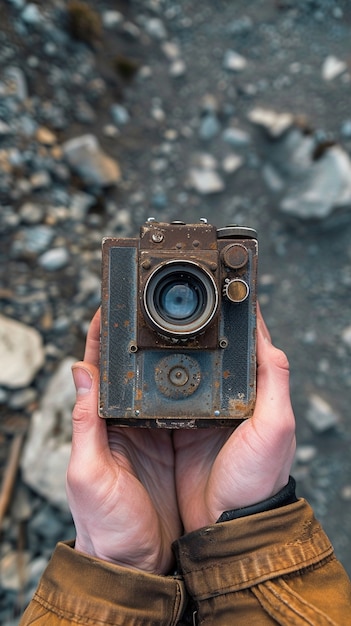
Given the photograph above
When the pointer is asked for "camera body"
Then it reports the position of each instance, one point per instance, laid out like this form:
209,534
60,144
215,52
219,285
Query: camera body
178,326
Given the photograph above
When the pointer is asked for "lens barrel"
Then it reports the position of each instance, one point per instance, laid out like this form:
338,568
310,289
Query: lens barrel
180,298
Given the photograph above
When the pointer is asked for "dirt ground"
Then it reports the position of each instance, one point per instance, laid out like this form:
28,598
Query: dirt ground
305,265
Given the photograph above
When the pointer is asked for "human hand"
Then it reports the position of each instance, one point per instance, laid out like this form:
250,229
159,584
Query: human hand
220,469
120,481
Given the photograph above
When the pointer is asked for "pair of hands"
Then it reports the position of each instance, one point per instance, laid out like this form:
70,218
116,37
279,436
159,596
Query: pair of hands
132,491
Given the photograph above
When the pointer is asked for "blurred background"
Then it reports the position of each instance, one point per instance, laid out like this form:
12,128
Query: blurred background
112,111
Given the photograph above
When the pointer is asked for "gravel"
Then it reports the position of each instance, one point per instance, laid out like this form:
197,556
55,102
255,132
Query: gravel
180,112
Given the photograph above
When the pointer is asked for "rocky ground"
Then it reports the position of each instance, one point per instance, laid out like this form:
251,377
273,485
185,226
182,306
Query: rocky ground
113,111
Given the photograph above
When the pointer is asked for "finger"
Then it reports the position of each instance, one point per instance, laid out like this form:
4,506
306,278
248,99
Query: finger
92,346
273,404
89,436
262,323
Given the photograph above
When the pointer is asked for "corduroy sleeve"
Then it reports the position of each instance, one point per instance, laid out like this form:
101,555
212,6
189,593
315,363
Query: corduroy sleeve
274,567
78,589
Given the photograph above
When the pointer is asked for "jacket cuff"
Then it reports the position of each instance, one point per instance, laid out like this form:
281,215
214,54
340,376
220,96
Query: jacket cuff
285,496
236,555
98,592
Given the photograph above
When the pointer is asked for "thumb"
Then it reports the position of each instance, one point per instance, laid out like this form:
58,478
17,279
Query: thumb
273,404
89,436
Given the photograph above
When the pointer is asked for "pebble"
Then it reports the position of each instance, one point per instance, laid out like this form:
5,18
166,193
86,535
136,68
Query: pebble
274,123
58,200
21,353
55,259
205,181
320,415
346,336
333,67
51,430
234,62
236,137
84,156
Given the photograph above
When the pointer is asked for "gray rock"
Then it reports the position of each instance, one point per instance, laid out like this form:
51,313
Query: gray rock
209,126
21,353
320,415
22,398
119,114
321,188
236,137
84,156
33,240
156,28
54,259
17,83
47,449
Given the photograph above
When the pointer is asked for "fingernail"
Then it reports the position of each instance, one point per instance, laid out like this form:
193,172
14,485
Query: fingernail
83,379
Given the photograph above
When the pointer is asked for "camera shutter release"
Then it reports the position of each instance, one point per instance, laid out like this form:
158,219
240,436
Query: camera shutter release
236,290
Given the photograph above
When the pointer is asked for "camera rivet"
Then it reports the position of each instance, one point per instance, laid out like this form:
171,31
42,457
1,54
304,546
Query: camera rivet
146,264
213,267
157,237
217,413
196,243
223,343
136,413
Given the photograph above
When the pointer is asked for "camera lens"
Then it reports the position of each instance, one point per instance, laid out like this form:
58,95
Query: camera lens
180,298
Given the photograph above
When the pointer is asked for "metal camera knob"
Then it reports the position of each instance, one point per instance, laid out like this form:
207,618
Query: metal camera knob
236,290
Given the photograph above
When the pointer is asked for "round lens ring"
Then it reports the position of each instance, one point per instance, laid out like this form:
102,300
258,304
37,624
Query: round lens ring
180,298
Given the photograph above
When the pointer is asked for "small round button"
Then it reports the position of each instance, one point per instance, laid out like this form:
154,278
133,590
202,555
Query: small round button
235,256
236,290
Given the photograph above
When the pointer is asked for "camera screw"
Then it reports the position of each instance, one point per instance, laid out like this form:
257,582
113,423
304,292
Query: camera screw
157,237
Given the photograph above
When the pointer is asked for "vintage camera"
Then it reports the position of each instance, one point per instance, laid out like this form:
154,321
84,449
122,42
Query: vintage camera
178,326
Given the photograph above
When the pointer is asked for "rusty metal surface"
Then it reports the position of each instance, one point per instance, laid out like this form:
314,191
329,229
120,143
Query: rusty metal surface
155,379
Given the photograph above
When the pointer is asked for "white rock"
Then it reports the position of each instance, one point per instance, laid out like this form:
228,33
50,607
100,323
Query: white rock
274,123
205,181
54,259
231,163
320,415
305,453
84,155
111,19
47,449
21,353
31,14
156,28
322,187
233,61
333,67
346,336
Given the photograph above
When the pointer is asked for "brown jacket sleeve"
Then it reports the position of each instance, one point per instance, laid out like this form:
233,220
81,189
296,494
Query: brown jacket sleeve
78,589
271,568
276,567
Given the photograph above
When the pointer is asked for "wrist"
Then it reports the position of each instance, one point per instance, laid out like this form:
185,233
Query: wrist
285,496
